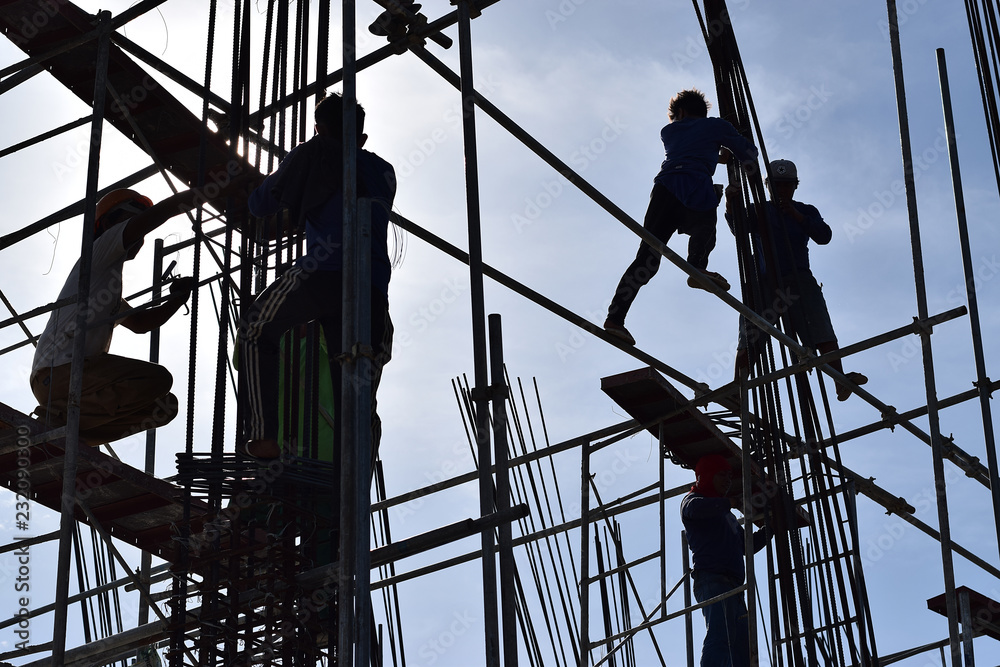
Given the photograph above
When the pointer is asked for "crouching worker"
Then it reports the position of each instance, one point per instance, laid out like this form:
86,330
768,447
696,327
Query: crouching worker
716,540
120,396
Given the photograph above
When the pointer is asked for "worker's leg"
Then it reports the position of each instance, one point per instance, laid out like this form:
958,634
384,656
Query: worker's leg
119,397
297,296
737,631
715,648
381,343
700,228
810,317
661,221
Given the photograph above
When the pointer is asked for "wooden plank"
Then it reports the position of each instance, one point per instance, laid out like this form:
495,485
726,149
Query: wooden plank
137,508
173,132
688,434
983,609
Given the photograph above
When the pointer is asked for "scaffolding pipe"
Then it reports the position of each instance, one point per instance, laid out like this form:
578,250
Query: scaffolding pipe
584,554
925,339
67,518
498,394
688,621
480,393
982,380
149,464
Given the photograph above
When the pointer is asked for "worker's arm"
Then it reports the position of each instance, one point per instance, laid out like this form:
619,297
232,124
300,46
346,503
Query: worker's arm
143,223
147,320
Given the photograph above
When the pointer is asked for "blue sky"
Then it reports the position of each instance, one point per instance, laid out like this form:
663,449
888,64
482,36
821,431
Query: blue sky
591,80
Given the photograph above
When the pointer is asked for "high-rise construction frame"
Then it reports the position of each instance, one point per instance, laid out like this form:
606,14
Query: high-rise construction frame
239,580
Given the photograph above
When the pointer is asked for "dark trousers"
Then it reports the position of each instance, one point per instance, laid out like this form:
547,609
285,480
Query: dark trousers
664,216
727,641
296,297
120,397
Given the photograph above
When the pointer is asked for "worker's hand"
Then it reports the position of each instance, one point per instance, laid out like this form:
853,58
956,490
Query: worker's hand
242,185
733,192
724,156
181,288
786,208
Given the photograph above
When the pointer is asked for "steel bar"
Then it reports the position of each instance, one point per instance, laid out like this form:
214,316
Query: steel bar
584,555
982,380
72,125
67,520
498,396
944,521
352,611
491,619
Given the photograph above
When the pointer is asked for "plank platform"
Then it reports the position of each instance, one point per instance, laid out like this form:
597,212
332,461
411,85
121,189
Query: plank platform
135,507
983,610
173,132
647,396
688,434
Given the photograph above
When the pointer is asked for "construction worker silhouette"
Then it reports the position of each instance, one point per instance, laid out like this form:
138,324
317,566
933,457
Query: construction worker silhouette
798,296
309,183
716,540
683,199
120,396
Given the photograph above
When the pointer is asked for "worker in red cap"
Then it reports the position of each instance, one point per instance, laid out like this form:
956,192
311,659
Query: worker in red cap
716,540
120,396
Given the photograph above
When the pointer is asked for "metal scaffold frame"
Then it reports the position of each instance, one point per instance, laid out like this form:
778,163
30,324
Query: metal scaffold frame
234,596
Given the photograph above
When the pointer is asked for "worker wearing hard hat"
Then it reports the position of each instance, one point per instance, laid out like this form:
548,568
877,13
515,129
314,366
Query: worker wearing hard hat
120,396
790,226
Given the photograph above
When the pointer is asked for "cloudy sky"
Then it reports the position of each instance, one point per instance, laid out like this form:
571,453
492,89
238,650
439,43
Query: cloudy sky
591,79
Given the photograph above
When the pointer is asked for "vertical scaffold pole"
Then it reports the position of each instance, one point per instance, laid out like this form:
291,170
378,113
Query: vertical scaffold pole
68,505
149,468
584,554
925,339
353,608
982,380
480,393
508,616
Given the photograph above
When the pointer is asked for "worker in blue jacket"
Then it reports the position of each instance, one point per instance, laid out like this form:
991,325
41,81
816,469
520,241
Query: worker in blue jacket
683,199
309,184
716,540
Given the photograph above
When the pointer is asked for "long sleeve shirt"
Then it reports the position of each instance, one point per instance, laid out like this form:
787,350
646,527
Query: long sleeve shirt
691,148
715,536
789,237
305,179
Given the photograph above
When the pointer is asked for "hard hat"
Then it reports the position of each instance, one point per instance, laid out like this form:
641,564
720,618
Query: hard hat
783,170
116,198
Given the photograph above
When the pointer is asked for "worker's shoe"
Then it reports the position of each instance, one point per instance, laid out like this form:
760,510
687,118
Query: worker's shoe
393,25
261,449
714,277
619,331
843,391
